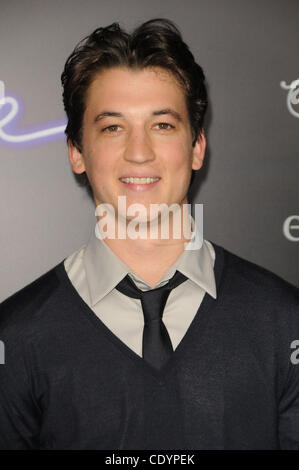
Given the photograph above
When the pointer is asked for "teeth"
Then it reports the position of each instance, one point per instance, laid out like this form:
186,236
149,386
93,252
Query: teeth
139,180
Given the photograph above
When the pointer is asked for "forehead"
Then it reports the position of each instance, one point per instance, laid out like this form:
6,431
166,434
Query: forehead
125,89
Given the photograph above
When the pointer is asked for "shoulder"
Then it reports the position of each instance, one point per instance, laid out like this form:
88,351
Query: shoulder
20,310
250,282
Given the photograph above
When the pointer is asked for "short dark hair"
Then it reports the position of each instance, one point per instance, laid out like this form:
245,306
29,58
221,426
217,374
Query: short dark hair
156,43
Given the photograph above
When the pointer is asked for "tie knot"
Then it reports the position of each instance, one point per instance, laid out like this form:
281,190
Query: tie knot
153,301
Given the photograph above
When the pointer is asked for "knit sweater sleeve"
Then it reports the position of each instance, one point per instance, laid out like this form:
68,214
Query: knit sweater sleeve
20,413
19,416
288,408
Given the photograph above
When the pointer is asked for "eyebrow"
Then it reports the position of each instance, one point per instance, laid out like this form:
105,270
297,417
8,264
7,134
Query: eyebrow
159,112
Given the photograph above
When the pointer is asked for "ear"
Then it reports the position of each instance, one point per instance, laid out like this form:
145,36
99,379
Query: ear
76,158
199,151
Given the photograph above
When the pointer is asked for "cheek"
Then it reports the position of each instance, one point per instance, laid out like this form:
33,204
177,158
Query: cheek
100,164
179,159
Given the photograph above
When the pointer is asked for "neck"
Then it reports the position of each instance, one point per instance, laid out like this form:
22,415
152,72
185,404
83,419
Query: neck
150,256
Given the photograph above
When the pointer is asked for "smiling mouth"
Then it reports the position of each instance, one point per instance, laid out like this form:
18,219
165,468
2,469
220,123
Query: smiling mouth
142,180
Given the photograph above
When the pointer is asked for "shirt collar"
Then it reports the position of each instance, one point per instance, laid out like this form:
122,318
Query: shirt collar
104,270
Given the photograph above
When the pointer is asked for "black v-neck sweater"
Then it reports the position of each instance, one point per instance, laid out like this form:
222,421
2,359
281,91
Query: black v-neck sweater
69,383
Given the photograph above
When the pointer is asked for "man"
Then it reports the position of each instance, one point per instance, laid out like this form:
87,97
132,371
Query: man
144,343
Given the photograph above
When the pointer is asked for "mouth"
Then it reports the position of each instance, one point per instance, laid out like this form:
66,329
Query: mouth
144,183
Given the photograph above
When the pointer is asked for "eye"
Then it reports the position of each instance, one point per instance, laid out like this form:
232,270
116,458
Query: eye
164,126
111,129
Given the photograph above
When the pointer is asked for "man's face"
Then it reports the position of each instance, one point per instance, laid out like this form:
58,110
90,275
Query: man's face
136,125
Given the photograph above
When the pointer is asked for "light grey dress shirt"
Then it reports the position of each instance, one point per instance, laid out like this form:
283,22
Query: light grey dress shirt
94,270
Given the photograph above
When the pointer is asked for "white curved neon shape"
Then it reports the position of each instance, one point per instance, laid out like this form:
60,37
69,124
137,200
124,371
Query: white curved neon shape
292,95
24,137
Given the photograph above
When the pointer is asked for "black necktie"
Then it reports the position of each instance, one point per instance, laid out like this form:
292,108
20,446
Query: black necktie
156,344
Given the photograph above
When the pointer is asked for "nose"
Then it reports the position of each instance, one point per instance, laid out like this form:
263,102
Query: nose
138,147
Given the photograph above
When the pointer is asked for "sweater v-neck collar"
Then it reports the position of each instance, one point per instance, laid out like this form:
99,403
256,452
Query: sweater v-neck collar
199,320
